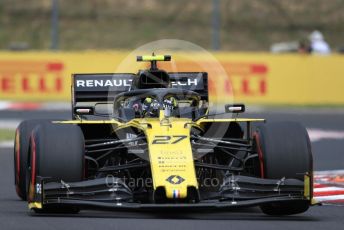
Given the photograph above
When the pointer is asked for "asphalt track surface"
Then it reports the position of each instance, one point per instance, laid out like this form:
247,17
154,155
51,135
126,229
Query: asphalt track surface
328,155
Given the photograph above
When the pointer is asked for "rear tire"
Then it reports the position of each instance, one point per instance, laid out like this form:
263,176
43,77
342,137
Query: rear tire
285,151
57,151
21,154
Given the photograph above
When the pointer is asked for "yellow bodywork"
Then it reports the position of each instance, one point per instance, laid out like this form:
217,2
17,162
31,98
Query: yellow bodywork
35,205
307,191
170,152
153,58
171,158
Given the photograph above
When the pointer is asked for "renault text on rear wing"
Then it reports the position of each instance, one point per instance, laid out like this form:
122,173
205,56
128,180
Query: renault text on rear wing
104,87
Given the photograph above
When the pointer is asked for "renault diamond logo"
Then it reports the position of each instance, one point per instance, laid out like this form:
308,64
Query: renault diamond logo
175,179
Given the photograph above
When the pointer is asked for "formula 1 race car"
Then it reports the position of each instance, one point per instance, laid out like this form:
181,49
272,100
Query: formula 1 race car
148,141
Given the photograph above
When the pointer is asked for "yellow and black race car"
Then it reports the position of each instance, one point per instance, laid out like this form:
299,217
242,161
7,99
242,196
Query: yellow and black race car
148,141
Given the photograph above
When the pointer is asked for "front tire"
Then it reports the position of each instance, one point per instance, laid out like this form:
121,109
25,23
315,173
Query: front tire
57,151
285,151
21,154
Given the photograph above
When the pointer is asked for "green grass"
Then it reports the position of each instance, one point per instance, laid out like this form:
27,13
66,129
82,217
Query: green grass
6,134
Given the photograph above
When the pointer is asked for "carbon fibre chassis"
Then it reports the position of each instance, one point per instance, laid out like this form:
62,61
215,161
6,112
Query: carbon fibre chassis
236,191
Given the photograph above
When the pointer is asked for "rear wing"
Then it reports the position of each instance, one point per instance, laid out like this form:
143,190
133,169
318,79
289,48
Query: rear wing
105,87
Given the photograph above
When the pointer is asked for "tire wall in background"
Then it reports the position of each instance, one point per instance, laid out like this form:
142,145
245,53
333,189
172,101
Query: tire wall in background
261,78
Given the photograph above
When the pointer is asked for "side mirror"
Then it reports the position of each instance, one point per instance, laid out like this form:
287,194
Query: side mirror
84,110
235,108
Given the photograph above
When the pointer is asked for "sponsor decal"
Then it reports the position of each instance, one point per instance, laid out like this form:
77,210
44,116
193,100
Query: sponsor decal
122,82
176,193
175,179
103,83
38,188
244,79
31,77
187,82
126,82
247,79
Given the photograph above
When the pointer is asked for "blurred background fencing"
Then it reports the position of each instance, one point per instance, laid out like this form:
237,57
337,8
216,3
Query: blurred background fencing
43,42
234,25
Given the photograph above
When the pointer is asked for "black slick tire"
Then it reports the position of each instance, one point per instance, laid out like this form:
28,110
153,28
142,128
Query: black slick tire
285,151
21,154
56,151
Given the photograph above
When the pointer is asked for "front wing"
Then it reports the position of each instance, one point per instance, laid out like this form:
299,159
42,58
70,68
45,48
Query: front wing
236,191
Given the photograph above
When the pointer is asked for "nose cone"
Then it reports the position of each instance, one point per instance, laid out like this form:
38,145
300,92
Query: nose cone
171,157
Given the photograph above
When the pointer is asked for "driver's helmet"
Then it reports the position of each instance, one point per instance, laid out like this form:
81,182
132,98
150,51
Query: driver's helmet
150,107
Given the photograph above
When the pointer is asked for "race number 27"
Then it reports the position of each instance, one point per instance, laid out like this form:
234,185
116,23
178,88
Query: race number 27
163,140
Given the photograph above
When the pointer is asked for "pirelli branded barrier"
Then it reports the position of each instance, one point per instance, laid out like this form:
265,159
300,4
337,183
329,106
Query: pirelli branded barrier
246,77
